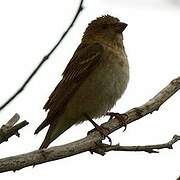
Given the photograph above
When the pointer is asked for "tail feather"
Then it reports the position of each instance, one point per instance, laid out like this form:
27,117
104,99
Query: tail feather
56,128
41,126
46,141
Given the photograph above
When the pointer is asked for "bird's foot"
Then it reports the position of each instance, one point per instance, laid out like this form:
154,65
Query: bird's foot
102,130
121,117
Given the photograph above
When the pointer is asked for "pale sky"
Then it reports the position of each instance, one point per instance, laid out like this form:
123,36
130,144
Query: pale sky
29,29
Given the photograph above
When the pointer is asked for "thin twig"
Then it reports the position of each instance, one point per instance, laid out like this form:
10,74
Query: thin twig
103,148
13,120
46,57
90,142
10,129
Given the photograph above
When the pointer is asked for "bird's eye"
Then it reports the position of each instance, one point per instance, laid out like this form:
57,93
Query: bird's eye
104,26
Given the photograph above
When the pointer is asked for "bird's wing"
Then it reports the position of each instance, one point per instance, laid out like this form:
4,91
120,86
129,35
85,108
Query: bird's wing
85,59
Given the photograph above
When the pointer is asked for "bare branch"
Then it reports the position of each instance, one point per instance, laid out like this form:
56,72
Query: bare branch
10,129
92,141
13,120
103,148
45,58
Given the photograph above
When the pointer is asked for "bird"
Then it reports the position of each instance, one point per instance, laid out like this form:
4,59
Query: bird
94,79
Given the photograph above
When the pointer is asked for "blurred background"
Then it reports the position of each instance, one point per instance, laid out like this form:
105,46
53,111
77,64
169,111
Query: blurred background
29,29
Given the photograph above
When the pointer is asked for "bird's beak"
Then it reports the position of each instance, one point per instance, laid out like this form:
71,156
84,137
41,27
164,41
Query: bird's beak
122,26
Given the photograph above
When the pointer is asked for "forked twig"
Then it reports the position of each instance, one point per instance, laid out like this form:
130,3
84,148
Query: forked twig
91,142
11,128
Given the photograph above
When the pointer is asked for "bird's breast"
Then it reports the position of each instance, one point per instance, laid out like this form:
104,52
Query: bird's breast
102,88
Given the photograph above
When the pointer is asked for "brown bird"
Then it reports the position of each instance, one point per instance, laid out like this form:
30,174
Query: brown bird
94,79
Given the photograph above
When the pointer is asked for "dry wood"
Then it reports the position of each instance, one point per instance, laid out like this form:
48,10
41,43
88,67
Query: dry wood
11,128
93,141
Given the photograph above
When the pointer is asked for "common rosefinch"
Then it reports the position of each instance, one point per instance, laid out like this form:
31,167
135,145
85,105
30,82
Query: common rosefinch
94,79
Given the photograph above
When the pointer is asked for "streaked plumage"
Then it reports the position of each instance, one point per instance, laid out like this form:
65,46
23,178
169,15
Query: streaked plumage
94,79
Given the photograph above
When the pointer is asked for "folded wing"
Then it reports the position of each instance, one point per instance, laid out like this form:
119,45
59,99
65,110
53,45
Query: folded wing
85,59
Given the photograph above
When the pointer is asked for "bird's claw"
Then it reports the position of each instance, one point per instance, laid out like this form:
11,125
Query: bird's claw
121,117
103,131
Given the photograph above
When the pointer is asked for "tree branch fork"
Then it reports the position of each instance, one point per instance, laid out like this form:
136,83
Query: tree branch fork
11,128
103,148
93,141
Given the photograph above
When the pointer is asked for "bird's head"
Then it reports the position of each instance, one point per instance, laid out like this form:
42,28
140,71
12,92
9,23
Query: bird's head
106,29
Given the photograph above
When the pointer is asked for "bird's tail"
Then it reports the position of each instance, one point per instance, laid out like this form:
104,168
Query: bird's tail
55,129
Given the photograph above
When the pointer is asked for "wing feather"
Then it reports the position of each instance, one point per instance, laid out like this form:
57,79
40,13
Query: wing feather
85,59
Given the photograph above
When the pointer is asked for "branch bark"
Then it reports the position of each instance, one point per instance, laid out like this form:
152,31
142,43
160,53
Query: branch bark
10,129
92,141
103,148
